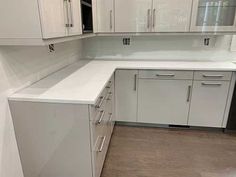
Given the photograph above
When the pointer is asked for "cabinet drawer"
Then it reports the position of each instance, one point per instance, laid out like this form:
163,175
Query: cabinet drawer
157,74
212,75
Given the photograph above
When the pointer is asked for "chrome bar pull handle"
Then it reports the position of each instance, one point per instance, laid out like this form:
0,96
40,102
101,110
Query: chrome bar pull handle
100,103
111,26
148,18
67,13
102,113
71,23
165,75
189,93
102,144
211,84
216,76
154,18
135,82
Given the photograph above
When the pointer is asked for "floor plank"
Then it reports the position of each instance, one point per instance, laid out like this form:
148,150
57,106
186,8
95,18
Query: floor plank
159,152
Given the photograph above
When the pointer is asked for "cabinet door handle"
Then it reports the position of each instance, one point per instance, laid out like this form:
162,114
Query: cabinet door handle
211,84
217,76
102,144
111,19
148,18
135,82
71,23
67,13
166,75
189,93
102,113
154,18
100,103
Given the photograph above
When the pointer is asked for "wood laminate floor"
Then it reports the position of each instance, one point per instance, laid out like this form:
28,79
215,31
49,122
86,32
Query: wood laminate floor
159,152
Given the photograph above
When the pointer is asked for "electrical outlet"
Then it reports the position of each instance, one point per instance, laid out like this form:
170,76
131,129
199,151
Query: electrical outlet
126,41
51,48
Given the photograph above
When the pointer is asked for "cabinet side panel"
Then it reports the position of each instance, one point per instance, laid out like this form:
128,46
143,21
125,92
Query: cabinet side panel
53,139
20,19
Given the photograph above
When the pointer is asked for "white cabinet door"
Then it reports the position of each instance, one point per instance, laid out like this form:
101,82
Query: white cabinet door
75,17
105,16
164,101
208,103
133,15
126,95
171,15
53,18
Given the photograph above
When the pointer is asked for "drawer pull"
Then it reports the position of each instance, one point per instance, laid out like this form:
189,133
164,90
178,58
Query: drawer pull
100,103
102,113
109,85
211,84
135,82
165,75
189,93
216,76
102,144
108,96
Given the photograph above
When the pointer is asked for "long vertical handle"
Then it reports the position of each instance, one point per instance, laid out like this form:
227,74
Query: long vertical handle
154,18
135,82
148,18
189,93
71,24
102,144
67,13
110,19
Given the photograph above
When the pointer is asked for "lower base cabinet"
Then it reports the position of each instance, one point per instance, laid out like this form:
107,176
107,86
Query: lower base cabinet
208,103
64,140
163,101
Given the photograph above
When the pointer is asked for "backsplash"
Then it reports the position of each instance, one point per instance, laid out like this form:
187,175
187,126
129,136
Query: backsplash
160,48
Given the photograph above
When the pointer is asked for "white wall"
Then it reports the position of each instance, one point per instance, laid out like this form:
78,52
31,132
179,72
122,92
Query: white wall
20,66
160,48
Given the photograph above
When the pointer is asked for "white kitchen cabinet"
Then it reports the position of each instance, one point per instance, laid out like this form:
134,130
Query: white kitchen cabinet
164,101
60,18
37,22
105,16
213,16
171,15
63,139
133,15
208,103
126,95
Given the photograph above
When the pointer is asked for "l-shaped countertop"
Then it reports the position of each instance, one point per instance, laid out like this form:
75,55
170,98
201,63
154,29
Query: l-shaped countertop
83,81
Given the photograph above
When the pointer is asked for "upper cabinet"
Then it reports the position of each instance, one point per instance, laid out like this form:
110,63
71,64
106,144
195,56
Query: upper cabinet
133,15
213,16
60,18
171,15
105,16
166,16
36,21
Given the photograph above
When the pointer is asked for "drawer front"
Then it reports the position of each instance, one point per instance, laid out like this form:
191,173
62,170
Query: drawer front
212,75
106,94
98,126
160,74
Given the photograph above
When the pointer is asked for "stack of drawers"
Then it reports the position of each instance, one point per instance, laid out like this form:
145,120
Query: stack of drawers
101,125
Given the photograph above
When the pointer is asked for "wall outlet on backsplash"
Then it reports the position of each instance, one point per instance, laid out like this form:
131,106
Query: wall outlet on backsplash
126,41
205,42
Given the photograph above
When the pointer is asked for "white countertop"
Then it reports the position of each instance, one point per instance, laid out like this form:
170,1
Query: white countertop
83,84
